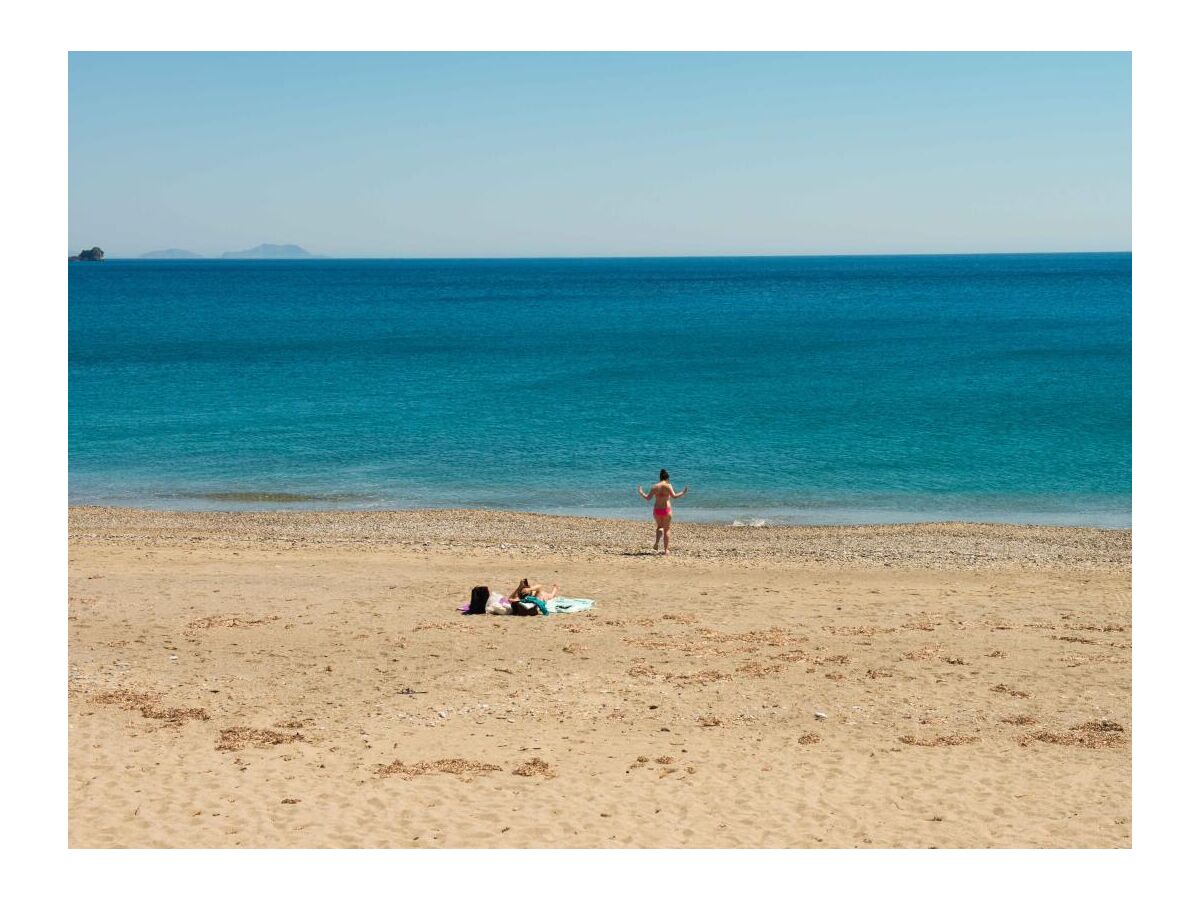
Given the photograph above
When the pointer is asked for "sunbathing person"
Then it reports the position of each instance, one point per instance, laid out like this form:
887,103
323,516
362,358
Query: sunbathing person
525,590
525,600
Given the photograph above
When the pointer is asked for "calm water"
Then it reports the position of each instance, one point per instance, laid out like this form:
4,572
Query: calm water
842,389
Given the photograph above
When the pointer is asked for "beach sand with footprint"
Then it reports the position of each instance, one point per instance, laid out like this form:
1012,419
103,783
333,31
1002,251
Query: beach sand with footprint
303,680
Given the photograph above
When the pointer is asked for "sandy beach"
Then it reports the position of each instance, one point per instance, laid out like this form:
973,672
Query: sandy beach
303,679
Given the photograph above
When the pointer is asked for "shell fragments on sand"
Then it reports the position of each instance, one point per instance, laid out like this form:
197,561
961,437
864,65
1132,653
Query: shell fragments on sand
455,766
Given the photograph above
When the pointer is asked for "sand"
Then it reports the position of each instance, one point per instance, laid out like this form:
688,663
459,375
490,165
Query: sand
303,680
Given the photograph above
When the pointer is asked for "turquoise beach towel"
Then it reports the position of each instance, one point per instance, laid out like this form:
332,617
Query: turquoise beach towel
569,605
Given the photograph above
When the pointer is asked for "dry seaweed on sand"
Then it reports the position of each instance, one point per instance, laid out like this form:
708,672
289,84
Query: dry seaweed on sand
295,723
944,740
1011,691
925,651
1022,719
857,630
835,660
228,622
175,715
707,676
241,737
148,705
126,699
535,766
809,737
1092,735
756,669
455,766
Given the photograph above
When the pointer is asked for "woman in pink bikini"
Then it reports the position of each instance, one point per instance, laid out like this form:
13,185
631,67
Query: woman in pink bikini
662,494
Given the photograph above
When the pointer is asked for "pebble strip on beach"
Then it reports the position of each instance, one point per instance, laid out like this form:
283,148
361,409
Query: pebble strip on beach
953,545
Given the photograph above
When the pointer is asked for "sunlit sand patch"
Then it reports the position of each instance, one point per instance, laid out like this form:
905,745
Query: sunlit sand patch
438,626
707,642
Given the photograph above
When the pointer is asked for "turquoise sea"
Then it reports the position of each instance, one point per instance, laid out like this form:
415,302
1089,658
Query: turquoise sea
800,389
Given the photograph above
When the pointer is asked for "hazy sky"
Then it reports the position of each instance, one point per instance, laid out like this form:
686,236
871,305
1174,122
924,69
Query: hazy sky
575,154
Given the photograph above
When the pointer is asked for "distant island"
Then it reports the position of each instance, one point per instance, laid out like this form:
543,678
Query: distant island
269,251
172,253
93,255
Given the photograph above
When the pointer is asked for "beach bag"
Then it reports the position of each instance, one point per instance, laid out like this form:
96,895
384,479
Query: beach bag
479,599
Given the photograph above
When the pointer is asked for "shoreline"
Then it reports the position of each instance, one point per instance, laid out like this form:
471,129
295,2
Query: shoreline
941,545
732,516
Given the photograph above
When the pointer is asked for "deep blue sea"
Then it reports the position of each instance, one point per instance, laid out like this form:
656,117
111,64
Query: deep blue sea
804,389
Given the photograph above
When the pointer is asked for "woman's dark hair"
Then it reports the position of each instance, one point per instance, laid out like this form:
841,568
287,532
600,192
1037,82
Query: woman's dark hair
479,599
663,475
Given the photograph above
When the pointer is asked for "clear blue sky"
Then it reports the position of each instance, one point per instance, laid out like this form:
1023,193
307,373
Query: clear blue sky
576,154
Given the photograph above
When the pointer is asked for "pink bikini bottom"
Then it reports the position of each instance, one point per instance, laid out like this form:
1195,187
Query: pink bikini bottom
660,513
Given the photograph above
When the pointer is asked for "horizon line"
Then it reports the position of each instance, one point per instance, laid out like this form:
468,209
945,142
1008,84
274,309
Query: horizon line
323,257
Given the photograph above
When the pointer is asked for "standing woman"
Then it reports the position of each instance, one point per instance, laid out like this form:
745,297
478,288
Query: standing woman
662,494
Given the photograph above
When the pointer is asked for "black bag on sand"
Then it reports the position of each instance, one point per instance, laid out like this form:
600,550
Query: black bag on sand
479,599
